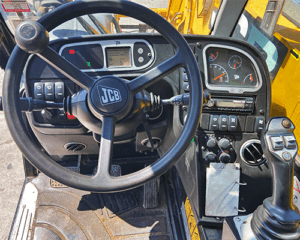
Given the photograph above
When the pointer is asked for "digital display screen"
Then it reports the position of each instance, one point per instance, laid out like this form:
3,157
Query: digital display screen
118,57
230,104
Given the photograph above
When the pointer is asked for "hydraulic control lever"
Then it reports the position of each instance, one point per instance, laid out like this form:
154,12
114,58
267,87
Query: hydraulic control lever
278,217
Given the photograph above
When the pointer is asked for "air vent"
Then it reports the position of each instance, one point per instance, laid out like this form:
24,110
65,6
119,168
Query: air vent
251,153
75,147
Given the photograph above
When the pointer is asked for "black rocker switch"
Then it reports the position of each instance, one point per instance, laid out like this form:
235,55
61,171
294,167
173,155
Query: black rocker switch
38,90
278,216
59,90
49,91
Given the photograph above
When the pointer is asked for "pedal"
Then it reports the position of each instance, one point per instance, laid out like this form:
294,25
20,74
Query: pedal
115,171
151,194
56,184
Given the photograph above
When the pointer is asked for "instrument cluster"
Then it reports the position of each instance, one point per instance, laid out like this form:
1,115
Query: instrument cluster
230,69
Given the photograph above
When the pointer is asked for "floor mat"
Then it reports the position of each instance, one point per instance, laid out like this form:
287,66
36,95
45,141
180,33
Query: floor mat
66,213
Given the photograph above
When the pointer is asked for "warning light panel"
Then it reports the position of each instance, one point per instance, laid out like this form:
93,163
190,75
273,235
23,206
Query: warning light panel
85,56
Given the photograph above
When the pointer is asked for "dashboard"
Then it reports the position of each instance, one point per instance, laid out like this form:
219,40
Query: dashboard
232,71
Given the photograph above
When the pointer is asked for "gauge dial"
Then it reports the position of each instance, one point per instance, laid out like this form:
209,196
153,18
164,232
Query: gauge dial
213,56
235,62
250,80
218,74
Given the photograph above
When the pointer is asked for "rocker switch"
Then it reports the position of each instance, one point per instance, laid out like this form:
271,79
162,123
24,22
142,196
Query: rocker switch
290,142
49,91
59,90
277,143
232,123
214,123
223,123
39,90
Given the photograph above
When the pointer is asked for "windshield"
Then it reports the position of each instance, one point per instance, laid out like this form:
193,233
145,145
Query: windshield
187,16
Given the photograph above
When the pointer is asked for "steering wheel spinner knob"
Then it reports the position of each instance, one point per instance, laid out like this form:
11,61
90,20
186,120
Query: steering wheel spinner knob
32,37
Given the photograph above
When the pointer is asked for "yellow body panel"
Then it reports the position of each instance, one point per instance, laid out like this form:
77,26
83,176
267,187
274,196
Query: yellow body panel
191,221
192,16
286,85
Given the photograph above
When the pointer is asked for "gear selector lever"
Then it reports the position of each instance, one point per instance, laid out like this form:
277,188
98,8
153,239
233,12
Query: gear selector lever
278,217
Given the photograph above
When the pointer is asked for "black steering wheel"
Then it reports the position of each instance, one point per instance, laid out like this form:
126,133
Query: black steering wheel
32,37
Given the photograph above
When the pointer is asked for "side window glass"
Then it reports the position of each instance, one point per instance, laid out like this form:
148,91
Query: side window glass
271,48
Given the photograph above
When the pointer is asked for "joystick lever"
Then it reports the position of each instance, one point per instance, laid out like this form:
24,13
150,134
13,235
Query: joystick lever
278,217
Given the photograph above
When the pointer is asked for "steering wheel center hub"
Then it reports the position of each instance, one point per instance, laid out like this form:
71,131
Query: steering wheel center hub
109,95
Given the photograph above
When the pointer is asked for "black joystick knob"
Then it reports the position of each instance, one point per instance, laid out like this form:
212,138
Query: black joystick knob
278,217
32,37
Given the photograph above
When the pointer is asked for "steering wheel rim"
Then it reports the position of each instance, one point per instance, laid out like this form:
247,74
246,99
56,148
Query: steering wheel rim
41,160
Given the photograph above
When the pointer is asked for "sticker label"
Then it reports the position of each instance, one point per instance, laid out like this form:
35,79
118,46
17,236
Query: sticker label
296,194
15,7
13,1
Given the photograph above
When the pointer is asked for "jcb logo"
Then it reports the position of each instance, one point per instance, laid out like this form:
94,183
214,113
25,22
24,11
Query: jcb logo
109,95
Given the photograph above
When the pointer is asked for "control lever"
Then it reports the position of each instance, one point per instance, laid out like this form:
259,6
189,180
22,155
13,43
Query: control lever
278,217
30,105
184,99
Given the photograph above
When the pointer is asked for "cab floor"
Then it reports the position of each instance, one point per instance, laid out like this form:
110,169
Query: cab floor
68,214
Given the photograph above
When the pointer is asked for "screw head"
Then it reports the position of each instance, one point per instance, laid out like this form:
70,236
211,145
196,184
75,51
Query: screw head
286,123
198,44
287,156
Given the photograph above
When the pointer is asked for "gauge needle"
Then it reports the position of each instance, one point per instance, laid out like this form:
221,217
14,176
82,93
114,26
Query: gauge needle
234,66
219,76
251,77
213,56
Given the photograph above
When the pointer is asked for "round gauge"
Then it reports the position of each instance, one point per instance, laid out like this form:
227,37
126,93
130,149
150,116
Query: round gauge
249,80
218,74
235,62
213,56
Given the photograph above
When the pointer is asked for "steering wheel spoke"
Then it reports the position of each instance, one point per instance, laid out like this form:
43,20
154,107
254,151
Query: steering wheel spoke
66,68
106,145
147,79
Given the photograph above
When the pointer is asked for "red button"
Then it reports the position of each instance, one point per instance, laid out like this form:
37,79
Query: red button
70,117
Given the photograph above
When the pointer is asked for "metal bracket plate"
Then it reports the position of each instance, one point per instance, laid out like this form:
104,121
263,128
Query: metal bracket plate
222,189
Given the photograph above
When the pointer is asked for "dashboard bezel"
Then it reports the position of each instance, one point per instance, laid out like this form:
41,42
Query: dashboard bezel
120,43
231,89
